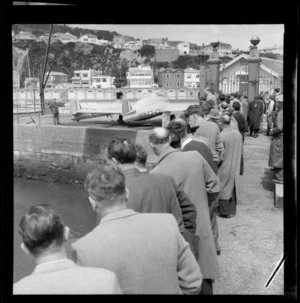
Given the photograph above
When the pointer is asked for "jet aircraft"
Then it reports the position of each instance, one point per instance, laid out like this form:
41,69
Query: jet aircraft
152,105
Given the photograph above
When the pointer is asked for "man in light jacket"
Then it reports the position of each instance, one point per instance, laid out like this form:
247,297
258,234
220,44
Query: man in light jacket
145,250
44,236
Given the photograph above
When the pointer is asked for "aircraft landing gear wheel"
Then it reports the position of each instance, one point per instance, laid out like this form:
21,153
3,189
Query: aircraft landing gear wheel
120,120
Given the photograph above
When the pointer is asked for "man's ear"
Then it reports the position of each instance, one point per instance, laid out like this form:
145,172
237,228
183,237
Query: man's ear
66,233
24,248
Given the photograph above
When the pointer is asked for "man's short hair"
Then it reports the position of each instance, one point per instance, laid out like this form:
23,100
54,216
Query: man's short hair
225,119
106,184
159,135
122,149
193,110
222,97
236,105
41,227
141,155
234,95
277,90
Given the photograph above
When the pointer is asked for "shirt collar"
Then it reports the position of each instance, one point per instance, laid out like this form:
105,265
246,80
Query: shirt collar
53,266
186,141
129,171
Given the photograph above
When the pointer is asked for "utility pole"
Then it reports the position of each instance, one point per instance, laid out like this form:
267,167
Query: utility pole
42,84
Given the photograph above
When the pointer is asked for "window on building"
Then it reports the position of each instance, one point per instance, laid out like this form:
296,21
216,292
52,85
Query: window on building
188,76
85,75
104,80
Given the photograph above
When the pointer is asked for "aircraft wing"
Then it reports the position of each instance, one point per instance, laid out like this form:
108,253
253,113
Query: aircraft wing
179,106
99,107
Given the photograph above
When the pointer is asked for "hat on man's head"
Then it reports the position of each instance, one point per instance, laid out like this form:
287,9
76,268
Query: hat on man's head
214,113
177,125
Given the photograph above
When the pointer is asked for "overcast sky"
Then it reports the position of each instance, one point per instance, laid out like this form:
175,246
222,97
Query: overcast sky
238,35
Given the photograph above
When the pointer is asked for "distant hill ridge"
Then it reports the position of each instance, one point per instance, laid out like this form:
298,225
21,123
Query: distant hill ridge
40,29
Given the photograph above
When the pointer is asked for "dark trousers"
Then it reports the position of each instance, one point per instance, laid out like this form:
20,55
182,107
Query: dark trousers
55,118
207,287
255,130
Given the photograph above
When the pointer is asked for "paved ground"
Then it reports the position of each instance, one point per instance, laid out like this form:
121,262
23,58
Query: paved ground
252,241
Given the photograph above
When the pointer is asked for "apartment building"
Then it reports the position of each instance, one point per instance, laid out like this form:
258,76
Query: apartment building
170,78
191,78
141,76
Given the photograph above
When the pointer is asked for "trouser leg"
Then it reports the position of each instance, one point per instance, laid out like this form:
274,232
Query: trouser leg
57,117
214,224
54,120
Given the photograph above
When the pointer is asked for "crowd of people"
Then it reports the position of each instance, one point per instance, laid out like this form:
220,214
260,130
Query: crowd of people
156,230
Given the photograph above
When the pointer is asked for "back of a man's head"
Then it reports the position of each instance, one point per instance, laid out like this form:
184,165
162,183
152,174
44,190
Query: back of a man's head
194,110
225,119
159,136
236,105
106,184
121,149
221,97
141,155
41,228
277,90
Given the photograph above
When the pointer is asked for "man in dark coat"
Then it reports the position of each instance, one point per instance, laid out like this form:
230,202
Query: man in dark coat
153,193
242,129
256,109
189,143
276,148
54,107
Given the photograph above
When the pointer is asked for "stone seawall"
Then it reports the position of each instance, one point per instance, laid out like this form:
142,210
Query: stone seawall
66,153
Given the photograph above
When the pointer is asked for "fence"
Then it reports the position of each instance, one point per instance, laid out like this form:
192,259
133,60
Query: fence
239,83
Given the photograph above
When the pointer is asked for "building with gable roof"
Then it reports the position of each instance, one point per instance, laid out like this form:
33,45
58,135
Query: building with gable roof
234,74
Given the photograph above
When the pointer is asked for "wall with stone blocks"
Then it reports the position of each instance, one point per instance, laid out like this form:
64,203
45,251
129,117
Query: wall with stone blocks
66,153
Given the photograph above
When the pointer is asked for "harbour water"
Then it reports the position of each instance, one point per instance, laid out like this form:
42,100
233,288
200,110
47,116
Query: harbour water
71,202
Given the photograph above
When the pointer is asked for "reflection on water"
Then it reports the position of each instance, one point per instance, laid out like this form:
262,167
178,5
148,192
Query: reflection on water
71,202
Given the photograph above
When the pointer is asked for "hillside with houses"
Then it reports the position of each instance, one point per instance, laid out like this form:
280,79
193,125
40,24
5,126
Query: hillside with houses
108,57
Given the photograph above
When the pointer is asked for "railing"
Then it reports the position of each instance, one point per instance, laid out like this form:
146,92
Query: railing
239,83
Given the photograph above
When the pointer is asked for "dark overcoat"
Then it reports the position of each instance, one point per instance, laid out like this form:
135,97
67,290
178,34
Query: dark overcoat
256,109
196,178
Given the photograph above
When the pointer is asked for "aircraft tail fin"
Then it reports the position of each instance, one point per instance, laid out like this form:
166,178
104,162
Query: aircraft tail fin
126,107
74,106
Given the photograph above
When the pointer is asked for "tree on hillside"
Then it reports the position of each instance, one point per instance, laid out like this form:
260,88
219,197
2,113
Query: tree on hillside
147,51
184,62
